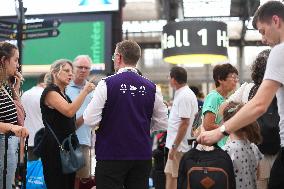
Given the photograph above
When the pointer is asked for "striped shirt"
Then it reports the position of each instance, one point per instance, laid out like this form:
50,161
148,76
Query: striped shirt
8,111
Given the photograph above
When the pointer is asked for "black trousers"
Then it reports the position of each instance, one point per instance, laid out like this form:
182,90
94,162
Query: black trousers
31,155
123,174
276,180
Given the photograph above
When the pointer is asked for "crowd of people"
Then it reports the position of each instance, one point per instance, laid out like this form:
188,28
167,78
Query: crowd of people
125,108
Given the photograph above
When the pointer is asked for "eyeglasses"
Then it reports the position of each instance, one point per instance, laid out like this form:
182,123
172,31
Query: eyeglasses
113,56
234,77
83,67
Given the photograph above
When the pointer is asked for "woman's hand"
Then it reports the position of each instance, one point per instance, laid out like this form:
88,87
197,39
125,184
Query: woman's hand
20,131
89,86
19,78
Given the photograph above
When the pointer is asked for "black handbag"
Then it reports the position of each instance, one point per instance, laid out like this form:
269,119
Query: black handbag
71,153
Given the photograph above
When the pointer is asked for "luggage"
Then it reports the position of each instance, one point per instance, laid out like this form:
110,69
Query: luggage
160,155
206,170
24,173
5,160
24,167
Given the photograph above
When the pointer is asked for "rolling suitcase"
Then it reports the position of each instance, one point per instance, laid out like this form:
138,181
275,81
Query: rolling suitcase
23,173
6,137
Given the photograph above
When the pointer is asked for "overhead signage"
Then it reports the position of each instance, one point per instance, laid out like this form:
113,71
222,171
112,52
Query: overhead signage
30,34
195,42
41,7
40,34
42,24
6,34
8,25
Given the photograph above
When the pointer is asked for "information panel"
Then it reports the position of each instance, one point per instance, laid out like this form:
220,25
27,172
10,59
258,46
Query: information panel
41,7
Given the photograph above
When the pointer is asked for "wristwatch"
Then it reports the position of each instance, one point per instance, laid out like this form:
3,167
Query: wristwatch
223,130
174,146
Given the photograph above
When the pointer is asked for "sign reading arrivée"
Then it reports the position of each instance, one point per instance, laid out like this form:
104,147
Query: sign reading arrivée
189,38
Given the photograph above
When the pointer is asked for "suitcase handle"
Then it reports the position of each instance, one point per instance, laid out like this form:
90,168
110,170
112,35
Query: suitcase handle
10,133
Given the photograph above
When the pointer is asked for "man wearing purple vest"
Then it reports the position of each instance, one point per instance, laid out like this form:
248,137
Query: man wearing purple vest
126,106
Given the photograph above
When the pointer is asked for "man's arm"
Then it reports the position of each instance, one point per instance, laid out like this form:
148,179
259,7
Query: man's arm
180,135
247,114
160,114
93,113
79,122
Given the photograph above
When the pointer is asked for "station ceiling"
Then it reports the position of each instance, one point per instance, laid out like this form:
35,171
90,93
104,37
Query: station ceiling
239,27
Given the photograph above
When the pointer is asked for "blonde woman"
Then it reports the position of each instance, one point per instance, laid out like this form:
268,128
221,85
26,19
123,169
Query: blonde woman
59,113
9,90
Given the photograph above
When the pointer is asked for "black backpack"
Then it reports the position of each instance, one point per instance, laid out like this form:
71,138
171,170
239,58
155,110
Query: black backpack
269,127
206,169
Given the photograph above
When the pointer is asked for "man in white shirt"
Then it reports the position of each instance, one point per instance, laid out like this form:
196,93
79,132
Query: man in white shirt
33,121
269,20
181,117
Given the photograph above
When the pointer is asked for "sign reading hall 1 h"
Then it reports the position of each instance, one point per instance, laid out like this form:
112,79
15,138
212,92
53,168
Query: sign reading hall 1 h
183,42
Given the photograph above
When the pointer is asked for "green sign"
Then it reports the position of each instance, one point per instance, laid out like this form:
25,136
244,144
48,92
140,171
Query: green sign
75,38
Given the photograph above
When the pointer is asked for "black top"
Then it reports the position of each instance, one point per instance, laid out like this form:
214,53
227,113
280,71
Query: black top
59,123
8,111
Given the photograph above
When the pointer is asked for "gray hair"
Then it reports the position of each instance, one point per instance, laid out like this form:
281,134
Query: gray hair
82,57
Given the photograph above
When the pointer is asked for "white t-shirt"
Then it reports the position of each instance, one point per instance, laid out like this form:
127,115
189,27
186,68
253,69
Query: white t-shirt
241,95
275,71
31,102
184,106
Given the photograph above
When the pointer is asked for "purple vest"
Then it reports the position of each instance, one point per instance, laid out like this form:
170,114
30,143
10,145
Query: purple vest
124,132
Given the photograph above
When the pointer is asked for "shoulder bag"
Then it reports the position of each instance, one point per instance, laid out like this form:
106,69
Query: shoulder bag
71,153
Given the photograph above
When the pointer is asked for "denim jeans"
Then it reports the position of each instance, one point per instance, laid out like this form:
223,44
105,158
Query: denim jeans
11,160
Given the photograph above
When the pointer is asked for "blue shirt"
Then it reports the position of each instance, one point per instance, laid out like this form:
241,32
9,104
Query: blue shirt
84,132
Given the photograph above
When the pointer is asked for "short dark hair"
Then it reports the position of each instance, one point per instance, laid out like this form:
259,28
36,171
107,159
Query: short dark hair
265,12
130,51
221,72
195,90
258,67
179,74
